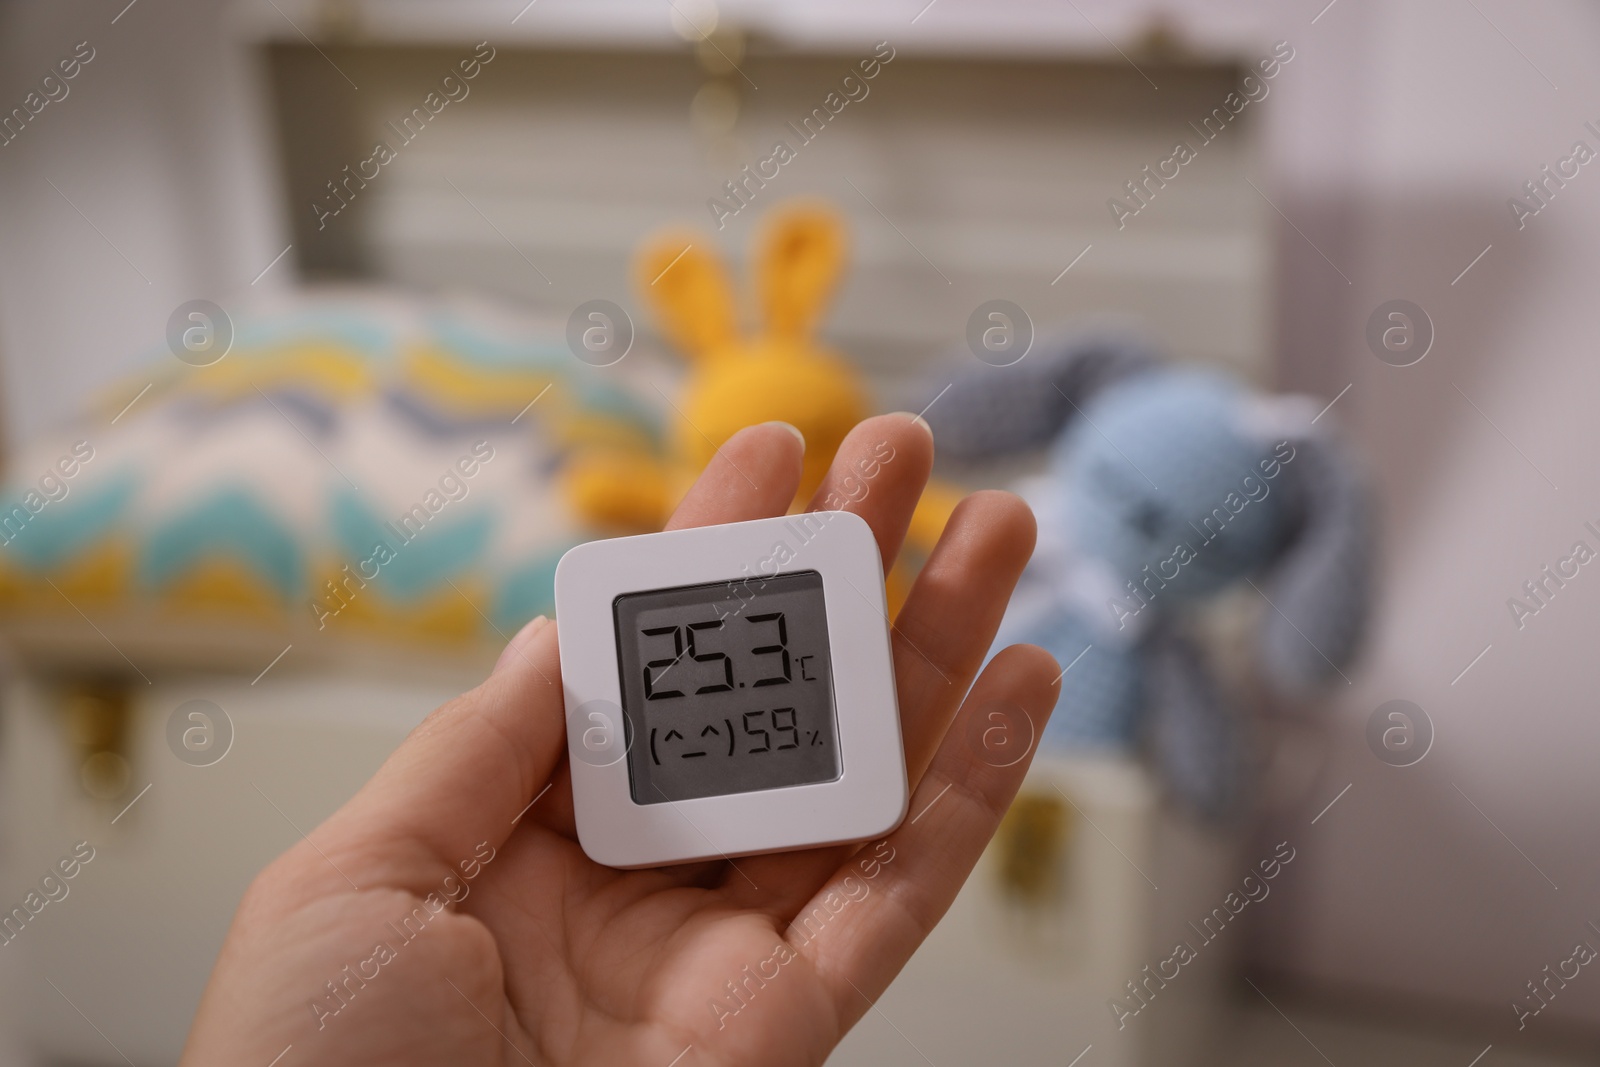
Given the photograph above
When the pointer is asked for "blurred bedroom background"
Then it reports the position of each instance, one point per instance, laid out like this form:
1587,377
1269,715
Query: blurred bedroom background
237,339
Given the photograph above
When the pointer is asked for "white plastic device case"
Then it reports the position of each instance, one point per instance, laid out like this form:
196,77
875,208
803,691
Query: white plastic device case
868,798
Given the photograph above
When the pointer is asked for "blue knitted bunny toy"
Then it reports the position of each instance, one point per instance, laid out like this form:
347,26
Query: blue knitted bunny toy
1167,486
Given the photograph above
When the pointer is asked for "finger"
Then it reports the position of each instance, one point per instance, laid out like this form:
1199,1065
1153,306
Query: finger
878,473
754,475
469,770
949,620
865,922
939,639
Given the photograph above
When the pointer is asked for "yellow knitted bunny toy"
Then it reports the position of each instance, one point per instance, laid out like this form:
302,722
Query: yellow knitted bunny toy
737,380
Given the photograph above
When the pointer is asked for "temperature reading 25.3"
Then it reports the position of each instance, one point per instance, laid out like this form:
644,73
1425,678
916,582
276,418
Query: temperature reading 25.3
666,676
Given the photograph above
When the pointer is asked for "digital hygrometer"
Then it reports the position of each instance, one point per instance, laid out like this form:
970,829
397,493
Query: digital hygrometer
729,690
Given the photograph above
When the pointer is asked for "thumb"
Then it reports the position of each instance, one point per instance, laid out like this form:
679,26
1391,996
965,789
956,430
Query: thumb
517,647
463,777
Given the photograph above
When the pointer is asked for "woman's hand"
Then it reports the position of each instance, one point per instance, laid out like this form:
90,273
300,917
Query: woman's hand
447,915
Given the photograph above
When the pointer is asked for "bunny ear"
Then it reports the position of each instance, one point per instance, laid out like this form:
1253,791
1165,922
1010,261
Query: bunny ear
994,411
1202,747
1322,589
690,292
801,256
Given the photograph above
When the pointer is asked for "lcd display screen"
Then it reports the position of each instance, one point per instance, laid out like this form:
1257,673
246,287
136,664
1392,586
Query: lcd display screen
727,687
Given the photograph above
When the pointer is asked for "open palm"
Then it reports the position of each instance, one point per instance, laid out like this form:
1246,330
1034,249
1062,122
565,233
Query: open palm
447,914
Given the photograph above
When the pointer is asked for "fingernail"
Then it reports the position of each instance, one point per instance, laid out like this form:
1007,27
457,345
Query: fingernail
916,420
798,436
515,648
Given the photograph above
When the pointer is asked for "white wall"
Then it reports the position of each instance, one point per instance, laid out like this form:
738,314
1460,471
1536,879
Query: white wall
1425,120
157,144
